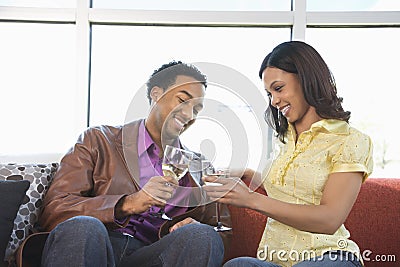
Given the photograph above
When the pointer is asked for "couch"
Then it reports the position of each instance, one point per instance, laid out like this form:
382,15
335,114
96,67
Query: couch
373,221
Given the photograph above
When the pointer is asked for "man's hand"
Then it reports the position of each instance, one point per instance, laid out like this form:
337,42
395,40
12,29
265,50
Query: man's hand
155,192
185,221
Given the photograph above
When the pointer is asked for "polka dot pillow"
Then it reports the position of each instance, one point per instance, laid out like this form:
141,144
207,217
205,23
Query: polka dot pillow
40,177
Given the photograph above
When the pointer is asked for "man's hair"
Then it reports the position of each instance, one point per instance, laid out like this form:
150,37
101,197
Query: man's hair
165,76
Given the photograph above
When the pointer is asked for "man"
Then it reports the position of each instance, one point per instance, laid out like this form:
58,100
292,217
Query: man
100,206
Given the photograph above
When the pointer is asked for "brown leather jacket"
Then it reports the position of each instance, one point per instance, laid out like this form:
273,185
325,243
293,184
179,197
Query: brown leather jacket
99,170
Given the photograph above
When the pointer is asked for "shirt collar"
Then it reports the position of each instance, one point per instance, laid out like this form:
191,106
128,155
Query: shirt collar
328,126
144,140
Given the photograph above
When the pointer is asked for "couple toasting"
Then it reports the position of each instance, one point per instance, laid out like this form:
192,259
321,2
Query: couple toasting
99,209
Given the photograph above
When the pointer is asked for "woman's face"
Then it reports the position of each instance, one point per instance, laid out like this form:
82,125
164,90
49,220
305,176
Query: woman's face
287,96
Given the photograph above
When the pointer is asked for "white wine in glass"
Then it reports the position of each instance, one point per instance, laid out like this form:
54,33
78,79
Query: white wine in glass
176,171
175,164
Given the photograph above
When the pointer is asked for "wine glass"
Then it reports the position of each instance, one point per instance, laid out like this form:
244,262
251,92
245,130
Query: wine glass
209,170
175,164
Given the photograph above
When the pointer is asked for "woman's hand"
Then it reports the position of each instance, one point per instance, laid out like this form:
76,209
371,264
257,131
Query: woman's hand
232,191
249,176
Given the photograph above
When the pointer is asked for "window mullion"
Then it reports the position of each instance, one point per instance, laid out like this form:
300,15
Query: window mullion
83,47
299,20
32,14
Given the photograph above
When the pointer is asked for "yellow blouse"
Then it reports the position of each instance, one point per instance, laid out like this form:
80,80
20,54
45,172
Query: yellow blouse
298,175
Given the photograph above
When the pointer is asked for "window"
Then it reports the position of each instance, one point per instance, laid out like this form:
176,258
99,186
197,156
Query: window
38,87
70,64
119,73
364,63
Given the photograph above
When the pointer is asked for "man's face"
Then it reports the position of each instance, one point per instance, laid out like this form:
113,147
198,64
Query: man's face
174,110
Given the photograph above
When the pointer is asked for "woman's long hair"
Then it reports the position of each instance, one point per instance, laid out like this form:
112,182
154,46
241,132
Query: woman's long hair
316,80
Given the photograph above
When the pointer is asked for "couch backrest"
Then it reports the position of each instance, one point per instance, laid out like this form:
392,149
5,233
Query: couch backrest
247,227
374,221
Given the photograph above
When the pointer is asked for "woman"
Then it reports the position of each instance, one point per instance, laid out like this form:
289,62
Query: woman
317,172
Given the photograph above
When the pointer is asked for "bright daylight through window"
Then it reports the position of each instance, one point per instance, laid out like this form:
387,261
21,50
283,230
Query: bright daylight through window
67,65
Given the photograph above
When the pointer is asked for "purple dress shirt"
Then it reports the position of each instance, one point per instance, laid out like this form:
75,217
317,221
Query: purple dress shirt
145,226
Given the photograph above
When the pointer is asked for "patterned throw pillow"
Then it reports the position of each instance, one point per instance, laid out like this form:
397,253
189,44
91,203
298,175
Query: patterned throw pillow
11,195
40,177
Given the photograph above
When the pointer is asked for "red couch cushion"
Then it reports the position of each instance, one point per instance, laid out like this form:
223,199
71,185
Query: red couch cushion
374,223
247,226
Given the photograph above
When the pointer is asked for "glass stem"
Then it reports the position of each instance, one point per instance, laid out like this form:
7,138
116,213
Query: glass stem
218,216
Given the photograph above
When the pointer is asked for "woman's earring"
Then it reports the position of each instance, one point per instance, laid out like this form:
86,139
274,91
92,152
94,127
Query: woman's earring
279,117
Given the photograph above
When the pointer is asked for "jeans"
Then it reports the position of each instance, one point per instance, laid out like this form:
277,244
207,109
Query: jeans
330,259
85,241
